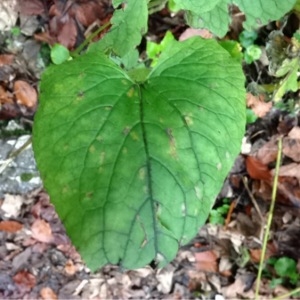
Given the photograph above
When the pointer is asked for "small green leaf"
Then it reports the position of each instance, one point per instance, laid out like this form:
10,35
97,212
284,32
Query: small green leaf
172,6
247,38
275,282
59,54
129,23
216,218
290,81
223,209
15,31
285,267
252,53
216,20
251,117
133,168
153,50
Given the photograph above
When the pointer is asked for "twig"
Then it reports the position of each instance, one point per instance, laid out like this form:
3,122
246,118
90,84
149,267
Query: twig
89,39
229,214
285,296
23,147
4,164
245,181
270,217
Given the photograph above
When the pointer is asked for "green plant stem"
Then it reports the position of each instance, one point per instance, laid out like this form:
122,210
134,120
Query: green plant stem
270,217
285,296
89,39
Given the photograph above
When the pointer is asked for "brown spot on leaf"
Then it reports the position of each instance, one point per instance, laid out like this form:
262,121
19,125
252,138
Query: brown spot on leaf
80,94
172,143
89,195
102,158
142,173
188,119
92,149
130,93
134,136
126,130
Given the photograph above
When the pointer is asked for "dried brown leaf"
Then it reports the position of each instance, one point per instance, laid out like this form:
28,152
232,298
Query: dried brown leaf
257,170
41,231
25,93
190,32
5,96
268,152
31,7
295,133
10,226
25,280
258,105
291,148
70,268
64,30
87,13
206,261
290,170
45,37
6,59
289,188
238,288
47,293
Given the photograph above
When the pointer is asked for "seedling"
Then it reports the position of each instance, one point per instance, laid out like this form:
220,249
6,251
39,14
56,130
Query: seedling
252,52
218,215
286,270
133,160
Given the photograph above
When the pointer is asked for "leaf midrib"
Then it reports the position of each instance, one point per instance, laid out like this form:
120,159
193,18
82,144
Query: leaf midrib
148,166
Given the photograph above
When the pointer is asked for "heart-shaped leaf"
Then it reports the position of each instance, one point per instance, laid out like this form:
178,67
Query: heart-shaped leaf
133,168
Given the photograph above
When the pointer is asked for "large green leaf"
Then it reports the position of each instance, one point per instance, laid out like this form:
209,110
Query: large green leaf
129,23
260,12
197,6
216,20
133,168
214,15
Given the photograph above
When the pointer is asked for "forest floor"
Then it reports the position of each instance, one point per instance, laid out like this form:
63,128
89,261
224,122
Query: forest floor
38,261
